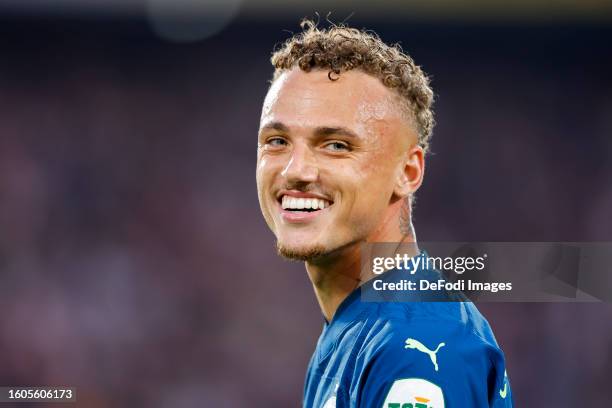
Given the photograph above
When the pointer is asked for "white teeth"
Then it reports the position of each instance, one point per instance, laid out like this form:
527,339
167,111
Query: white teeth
294,203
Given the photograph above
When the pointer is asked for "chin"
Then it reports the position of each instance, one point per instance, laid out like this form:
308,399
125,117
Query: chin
301,253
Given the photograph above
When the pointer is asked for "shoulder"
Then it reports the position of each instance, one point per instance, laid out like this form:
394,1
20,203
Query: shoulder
442,349
456,322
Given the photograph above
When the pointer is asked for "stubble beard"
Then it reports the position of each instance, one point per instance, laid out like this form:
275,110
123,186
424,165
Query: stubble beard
301,254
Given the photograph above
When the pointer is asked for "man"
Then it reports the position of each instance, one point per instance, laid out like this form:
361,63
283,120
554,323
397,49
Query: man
341,150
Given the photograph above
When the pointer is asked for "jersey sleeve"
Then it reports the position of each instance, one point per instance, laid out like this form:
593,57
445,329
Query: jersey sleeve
431,364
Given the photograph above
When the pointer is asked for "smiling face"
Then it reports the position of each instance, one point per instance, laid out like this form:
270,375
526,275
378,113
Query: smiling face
331,160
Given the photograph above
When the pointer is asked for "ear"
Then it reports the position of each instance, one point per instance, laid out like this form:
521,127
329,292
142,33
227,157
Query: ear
410,172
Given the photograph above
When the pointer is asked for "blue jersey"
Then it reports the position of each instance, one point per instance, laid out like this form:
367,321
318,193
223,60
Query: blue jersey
406,355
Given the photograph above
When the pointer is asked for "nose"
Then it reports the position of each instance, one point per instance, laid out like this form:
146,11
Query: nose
302,166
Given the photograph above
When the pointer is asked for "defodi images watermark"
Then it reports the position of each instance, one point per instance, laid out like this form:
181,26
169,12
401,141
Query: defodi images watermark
487,271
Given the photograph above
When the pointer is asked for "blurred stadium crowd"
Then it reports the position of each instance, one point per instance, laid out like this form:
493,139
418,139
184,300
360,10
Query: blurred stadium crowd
134,263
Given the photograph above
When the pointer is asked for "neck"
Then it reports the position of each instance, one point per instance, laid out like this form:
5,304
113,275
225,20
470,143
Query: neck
336,275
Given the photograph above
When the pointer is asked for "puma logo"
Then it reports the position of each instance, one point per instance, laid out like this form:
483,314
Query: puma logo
415,344
504,392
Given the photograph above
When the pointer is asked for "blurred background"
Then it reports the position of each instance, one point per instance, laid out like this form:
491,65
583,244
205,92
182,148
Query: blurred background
134,263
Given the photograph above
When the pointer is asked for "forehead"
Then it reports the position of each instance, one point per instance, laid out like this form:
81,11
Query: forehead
307,99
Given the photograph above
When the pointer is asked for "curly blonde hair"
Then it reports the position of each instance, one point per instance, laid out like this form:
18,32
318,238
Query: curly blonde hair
341,48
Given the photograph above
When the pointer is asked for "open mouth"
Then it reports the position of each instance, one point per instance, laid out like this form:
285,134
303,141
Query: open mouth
311,204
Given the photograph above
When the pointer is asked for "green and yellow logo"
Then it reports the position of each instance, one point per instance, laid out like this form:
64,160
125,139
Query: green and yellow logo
419,402
414,393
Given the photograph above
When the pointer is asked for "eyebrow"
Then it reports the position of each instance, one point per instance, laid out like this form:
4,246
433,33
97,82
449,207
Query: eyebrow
328,131
319,131
279,126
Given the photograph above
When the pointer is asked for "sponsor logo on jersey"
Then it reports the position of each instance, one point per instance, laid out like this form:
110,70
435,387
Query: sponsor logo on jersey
414,393
331,402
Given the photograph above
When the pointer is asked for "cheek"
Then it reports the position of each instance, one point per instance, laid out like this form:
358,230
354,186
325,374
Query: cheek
372,185
261,168
265,171
264,179
376,171
263,176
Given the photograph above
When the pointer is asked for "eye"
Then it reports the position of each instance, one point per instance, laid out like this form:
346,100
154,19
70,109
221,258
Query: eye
337,146
276,142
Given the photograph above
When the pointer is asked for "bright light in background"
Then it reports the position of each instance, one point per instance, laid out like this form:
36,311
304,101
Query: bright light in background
190,20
